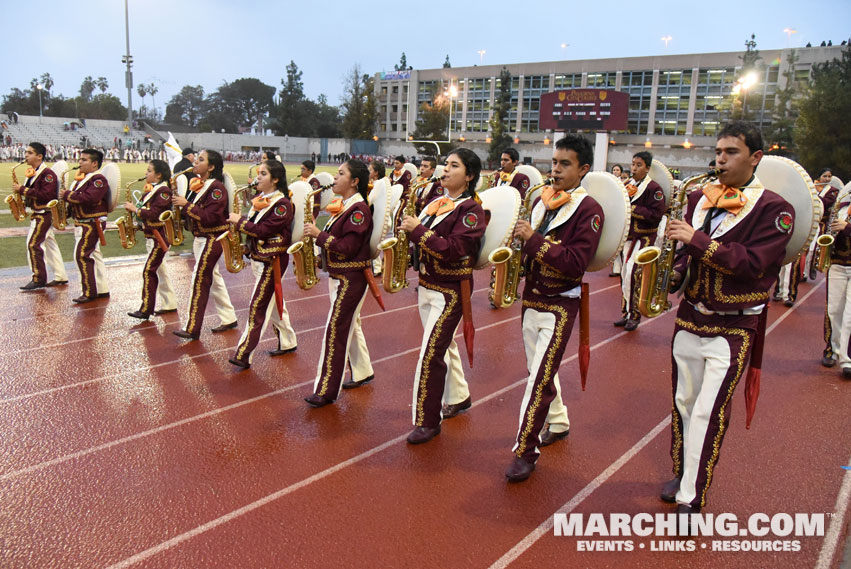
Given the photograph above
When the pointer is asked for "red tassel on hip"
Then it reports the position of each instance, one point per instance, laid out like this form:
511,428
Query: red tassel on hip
755,369
584,335
467,312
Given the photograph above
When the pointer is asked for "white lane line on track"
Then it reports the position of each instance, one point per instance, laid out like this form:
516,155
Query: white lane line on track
213,412
248,508
192,357
837,523
569,506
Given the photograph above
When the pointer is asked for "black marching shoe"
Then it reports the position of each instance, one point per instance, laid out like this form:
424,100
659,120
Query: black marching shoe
669,490
621,323
224,327
184,334
103,295
549,437
280,352
56,283
686,510
631,324
351,384
166,311
32,285
139,314
813,274
317,401
239,363
846,373
828,361
422,435
82,299
519,470
455,409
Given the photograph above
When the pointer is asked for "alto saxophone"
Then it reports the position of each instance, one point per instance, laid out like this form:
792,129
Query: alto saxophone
826,240
304,258
232,248
176,233
396,256
58,207
506,260
126,224
657,264
14,200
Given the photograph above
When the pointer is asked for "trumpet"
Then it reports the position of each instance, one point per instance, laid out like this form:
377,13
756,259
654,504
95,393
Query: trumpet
232,249
59,207
176,233
16,203
126,224
657,264
506,260
304,258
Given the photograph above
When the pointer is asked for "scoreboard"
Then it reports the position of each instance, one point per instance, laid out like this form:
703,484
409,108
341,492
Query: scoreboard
586,109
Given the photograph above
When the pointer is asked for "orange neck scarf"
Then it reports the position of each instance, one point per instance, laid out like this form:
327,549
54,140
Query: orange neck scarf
440,206
506,176
148,187
259,203
554,199
724,197
630,189
335,207
196,184
30,172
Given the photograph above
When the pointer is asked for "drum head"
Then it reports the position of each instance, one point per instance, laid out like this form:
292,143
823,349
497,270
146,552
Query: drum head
662,176
612,196
298,195
788,179
113,175
381,215
503,203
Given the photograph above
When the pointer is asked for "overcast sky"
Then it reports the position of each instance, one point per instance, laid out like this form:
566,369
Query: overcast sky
175,43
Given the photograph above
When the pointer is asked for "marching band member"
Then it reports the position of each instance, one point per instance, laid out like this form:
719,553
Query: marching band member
508,173
42,251
155,282
400,175
207,216
268,229
346,255
89,200
560,242
187,161
837,317
376,172
827,193
617,172
307,175
734,236
429,191
648,207
448,233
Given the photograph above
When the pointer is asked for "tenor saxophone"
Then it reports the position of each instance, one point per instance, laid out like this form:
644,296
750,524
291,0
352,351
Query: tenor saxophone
304,258
232,248
506,260
14,200
657,264
395,250
825,240
126,224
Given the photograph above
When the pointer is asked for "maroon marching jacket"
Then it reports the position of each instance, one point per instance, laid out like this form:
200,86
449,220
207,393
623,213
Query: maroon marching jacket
270,234
89,198
647,212
208,216
149,211
42,189
346,245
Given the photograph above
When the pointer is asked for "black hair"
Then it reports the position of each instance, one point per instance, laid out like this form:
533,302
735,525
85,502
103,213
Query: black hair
645,157
472,165
401,159
618,166
161,168
215,159
39,149
379,168
512,153
94,154
359,170
431,160
309,164
820,174
277,171
744,130
580,145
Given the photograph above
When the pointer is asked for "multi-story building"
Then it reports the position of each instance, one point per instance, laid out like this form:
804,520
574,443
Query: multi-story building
676,102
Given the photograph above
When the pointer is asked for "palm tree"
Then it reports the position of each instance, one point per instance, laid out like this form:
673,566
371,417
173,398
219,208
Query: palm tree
102,83
152,90
142,89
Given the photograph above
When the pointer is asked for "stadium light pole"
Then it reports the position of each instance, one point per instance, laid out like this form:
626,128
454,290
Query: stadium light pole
128,59
39,87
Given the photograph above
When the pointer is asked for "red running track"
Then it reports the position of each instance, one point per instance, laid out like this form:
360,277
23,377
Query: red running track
124,446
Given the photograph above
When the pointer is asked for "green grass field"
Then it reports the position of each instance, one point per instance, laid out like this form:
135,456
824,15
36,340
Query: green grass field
14,248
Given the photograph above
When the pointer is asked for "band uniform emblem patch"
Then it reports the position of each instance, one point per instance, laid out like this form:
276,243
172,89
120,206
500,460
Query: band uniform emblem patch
471,220
784,222
439,191
659,195
98,183
216,194
281,210
525,185
357,217
164,196
48,178
595,223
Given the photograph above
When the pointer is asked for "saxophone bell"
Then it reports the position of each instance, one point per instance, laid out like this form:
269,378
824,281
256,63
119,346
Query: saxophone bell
14,200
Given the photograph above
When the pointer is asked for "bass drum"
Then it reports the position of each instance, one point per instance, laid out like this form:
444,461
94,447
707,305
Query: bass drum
788,179
113,175
612,196
298,195
503,204
382,214
325,179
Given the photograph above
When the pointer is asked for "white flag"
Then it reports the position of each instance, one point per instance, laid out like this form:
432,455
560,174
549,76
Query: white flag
172,151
